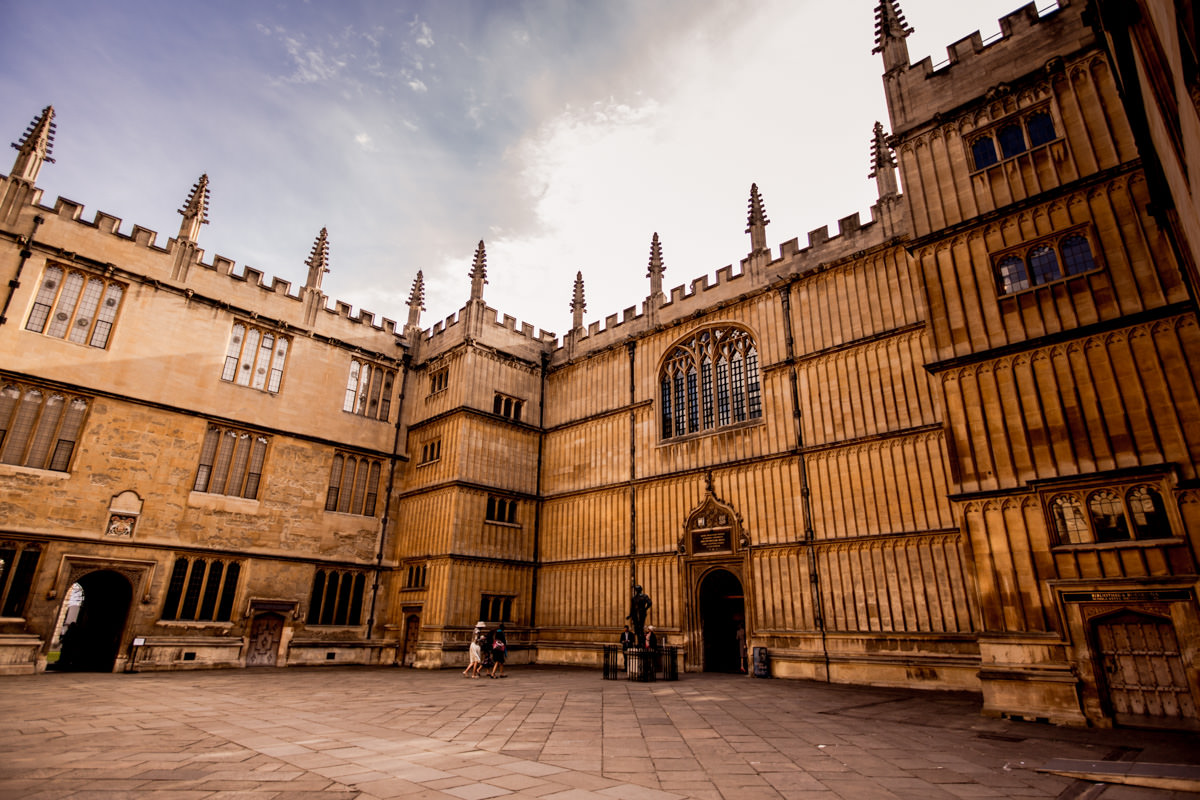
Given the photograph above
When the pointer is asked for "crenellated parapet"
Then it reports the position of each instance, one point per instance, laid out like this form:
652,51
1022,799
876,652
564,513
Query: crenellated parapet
754,273
99,244
497,330
925,92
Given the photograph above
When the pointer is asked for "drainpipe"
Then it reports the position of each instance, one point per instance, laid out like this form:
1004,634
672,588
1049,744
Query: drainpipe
810,535
537,506
25,254
405,364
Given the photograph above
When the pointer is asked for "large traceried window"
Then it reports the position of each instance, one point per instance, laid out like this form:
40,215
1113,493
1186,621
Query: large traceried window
39,427
369,390
231,462
75,306
709,381
255,358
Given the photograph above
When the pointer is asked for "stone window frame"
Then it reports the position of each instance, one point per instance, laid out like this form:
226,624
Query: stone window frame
696,396
496,607
507,406
255,357
34,434
1016,122
1022,268
19,563
336,597
501,510
417,575
226,467
369,389
76,306
353,484
1110,514
431,451
439,380
201,590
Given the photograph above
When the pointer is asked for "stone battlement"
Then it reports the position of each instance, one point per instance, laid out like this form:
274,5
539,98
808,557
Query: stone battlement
702,293
139,253
922,92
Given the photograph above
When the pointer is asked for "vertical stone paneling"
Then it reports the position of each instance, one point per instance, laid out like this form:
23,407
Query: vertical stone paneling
587,596
587,526
898,584
586,454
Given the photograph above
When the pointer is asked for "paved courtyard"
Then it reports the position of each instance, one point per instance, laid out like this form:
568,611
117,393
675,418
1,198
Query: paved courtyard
565,734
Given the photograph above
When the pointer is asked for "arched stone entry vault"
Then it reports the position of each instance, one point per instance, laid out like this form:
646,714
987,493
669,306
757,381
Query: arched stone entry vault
99,639
713,552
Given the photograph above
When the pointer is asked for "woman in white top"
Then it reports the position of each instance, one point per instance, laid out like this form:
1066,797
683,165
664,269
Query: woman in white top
476,655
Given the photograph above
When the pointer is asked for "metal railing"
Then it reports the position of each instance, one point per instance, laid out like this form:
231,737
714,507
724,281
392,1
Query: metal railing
640,664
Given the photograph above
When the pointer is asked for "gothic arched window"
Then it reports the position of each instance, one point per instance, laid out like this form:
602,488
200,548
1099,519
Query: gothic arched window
1108,517
1069,523
1043,264
709,381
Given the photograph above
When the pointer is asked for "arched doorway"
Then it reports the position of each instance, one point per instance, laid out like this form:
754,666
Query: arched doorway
722,611
92,641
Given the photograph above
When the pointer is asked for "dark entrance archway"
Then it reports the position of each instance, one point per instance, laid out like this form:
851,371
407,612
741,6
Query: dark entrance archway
722,610
93,640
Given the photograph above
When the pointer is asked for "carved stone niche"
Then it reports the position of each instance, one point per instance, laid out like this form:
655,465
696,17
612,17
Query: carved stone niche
713,529
123,513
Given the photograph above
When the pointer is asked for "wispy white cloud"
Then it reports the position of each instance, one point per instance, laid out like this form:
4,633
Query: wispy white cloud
422,32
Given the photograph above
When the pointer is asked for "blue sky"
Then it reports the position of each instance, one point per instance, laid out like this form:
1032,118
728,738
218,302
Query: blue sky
562,133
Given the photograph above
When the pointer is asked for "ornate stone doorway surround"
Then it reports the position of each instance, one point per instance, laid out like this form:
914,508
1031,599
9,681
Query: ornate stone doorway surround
713,542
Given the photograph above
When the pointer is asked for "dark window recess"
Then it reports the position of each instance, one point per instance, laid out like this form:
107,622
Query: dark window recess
983,151
18,564
337,598
201,590
1041,129
501,509
495,608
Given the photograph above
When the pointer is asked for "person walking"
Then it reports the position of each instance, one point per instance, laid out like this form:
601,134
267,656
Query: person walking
499,652
475,662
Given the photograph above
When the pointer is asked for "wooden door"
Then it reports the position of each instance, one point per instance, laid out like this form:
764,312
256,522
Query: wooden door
265,634
412,628
1144,671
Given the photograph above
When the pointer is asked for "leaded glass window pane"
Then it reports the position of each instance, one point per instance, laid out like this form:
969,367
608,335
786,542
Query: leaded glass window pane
693,417
45,299
1069,523
1108,517
1012,140
1041,128
1077,255
753,391
1148,514
1043,264
983,150
680,407
1012,275
65,308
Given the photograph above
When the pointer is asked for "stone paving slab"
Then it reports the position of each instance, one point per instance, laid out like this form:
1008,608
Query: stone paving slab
557,733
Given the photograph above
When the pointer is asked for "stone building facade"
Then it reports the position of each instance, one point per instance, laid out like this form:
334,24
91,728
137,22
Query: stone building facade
954,446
